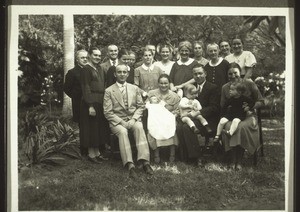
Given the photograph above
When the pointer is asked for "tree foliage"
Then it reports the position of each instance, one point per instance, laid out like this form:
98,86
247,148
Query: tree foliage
40,56
41,41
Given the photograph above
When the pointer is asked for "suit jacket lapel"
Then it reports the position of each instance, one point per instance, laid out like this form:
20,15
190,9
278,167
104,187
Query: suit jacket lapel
118,95
202,93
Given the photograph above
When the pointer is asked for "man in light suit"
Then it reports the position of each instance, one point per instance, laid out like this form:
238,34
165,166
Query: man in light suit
123,108
112,53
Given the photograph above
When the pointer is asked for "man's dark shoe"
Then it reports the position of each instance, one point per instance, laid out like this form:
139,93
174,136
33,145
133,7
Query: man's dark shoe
148,169
93,160
132,173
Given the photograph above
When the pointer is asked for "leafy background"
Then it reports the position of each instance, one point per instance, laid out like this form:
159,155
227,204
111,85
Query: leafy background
41,53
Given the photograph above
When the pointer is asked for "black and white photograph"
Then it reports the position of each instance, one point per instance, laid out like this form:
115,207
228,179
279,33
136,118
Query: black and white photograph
138,108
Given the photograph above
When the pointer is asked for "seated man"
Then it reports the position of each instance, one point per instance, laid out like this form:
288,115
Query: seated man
209,98
123,108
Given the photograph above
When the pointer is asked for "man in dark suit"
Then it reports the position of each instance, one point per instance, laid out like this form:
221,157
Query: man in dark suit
123,108
209,98
72,83
112,53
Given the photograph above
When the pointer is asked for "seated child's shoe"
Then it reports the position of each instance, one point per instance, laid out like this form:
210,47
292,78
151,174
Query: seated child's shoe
216,139
226,132
208,129
195,129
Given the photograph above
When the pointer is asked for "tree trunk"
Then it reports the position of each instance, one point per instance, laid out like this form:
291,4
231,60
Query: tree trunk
69,48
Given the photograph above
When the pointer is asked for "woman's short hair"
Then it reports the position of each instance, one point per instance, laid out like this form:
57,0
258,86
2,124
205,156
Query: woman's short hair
211,45
122,52
186,44
146,50
93,48
238,37
165,46
234,65
199,42
132,52
164,76
223,40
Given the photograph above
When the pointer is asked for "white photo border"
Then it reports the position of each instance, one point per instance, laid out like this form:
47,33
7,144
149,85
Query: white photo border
12,121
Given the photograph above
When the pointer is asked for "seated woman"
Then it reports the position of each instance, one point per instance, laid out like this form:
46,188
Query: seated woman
233,109
246,135
171,101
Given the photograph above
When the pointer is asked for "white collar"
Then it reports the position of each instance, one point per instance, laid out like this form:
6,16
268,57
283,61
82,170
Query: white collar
121,85
111,62
219,61
151,67
190,60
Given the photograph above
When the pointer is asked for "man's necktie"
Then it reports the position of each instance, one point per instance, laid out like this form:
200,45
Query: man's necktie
124,95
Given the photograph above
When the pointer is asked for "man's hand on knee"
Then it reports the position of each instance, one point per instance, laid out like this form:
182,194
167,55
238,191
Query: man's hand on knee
130,123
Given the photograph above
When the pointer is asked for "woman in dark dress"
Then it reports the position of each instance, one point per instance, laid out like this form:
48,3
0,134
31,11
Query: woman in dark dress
217,67
181,72
93,125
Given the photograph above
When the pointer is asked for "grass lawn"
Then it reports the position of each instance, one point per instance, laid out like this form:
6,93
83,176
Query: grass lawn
80,185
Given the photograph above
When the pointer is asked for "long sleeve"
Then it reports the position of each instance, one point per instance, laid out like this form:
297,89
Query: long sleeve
93,85
68,85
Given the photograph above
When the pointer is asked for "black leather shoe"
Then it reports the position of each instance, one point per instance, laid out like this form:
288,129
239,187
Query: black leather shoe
101,158
148,169
132,173
93,160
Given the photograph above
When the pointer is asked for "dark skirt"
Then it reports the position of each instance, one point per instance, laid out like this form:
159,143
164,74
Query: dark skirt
94,130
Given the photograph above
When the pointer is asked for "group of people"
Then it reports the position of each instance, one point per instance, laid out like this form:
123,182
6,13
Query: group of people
165,103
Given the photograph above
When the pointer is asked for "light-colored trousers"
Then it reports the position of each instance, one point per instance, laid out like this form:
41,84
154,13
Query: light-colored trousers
124,143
